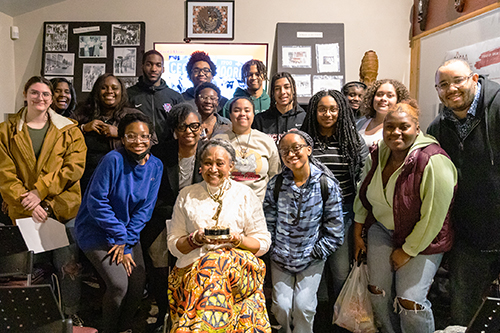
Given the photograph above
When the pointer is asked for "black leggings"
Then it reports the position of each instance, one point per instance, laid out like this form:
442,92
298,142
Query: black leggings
123,293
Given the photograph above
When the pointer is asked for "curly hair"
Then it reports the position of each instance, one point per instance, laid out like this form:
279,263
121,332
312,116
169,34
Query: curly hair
72,104
289,77
92,108
348,137
133,118
200,56
261,69
401,93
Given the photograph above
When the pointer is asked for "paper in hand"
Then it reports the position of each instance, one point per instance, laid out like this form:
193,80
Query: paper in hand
41,237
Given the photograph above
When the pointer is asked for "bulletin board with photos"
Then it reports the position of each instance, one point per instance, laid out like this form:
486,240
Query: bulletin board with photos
314,54
82,51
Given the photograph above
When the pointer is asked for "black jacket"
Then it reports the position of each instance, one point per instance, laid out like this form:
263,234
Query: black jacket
476,210
167,152
155,102
275,124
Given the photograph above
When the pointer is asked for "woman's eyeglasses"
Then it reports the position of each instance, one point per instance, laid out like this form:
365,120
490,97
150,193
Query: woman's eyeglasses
324,110
294,149
193,127
134,137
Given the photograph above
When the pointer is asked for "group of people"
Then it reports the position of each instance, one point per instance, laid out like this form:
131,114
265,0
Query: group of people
311,188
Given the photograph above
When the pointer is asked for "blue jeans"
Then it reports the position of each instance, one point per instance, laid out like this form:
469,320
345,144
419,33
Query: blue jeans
339,261
68,271
294,296
411,282
471,273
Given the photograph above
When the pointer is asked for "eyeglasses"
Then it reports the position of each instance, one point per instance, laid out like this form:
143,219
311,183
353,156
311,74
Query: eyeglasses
208,98
324,110
205,71
194,127
130,137
44,95
457,82
294,149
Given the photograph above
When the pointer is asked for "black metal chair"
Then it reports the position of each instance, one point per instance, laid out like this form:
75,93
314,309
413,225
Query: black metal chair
31,309
15,258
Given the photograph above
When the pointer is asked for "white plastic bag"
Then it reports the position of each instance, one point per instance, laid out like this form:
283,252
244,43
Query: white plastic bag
353,310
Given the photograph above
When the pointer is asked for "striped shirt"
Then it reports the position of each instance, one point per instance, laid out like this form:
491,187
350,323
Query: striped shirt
329,154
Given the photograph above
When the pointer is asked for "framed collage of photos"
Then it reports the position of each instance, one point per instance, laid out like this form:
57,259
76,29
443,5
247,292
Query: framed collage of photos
314,54
82,51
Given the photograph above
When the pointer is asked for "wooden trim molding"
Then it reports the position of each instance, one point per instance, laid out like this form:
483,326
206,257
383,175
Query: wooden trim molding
415,45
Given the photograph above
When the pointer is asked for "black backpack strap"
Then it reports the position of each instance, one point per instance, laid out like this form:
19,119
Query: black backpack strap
323,182
277,187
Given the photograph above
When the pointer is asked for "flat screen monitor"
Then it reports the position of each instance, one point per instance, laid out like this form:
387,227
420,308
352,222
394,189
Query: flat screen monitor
228,57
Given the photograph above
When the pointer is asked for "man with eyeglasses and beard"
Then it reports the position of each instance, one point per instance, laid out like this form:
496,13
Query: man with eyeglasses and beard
468,129
151,95
200,68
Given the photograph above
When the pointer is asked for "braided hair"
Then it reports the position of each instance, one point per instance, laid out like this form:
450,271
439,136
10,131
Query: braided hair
348,137
261,69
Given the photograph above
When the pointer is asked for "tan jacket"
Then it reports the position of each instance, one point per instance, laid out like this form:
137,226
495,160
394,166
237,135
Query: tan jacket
55,174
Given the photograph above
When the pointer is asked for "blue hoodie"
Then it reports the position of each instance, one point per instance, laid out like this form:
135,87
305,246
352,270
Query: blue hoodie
118,202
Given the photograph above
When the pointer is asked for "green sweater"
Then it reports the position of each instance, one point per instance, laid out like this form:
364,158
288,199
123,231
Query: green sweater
436,193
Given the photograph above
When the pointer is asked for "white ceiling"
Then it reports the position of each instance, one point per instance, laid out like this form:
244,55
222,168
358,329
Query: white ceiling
18,7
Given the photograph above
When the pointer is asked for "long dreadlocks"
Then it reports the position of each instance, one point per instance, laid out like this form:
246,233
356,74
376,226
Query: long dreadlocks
348,137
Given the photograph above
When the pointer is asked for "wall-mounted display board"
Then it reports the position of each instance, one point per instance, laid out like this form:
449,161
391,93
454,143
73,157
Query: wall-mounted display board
228,58
314,54
82,51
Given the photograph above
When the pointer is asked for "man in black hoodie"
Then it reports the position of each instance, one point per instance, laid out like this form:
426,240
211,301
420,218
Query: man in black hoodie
468,129
285,113
151,94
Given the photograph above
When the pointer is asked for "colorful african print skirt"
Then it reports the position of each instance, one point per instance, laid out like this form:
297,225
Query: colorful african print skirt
220,292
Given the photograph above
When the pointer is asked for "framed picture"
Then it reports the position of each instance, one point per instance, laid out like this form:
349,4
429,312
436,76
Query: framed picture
210,19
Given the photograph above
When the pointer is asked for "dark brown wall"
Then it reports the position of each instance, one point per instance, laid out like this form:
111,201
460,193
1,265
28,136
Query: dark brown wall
443,11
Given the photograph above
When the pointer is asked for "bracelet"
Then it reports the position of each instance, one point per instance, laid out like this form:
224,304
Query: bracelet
81,128
239,243
194,239
190,241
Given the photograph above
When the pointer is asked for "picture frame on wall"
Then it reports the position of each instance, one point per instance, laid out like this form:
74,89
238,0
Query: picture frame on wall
210,20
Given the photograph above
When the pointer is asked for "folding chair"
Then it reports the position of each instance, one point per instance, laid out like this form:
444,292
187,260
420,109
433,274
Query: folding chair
31,309
15,258
487,317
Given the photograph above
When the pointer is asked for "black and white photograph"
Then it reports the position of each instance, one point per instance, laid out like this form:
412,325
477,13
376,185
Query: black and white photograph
92,46
303,85
90,74
69,78
126,34
124,61
56,37
59,63
129,81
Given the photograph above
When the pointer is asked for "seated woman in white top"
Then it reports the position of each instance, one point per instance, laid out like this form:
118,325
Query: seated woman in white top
217,284
378,99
